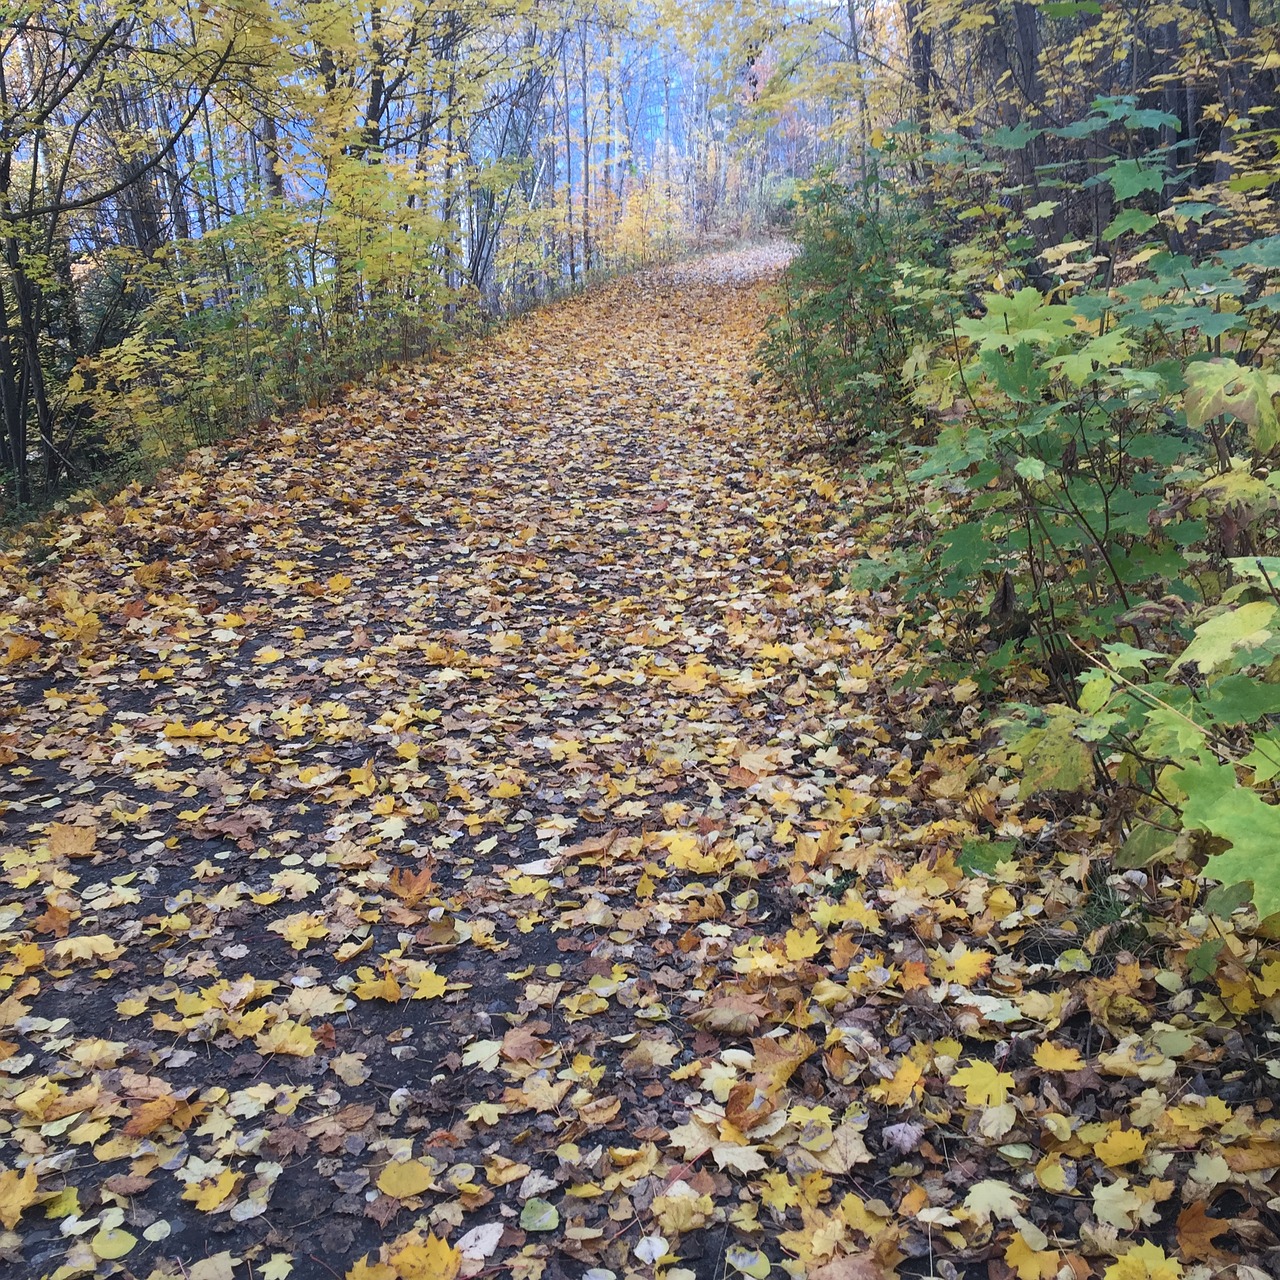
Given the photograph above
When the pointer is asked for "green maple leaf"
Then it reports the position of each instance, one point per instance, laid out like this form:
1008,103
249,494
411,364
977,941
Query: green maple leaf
1216,803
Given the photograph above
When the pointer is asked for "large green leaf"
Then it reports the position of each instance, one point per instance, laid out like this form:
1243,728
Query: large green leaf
1128,220
1217,387
1015,372
1026,316
1098,354
1240,699
1216,803
1131,177
1264,253
1216,640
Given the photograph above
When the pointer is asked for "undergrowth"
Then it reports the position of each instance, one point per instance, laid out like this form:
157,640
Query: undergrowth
1079,438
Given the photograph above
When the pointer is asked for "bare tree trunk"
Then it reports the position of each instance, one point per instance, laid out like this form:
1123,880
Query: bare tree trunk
1232,22
274,174
568,168
920,58
860,88
586,157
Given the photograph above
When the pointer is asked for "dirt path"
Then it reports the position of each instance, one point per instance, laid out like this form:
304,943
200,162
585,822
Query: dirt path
449,833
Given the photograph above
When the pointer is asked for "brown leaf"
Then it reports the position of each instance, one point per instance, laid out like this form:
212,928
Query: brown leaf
382,1210
731,1015
288,1141
127,1184
150,1116
1257,1155
68,841
748,1107
1197,1232
523,1044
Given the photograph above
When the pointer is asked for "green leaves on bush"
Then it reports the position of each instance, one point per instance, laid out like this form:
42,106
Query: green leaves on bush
1100,488
851,309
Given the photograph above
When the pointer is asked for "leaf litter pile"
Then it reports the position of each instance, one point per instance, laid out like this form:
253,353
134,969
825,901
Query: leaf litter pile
469,831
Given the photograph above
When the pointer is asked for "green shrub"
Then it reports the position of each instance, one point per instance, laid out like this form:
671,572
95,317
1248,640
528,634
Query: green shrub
849,316
1101,494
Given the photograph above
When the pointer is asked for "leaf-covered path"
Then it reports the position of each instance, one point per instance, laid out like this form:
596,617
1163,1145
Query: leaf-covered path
461,831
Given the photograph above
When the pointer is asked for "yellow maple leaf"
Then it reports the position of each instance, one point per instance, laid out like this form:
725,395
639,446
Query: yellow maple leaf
67,840
1144,1262
500,1171
299,929
861,1215
1057,1057
684,854
20,648
24,956
402,1180
428,1259
779,1194
801,946
277,1267
428,984
371,988
264,657
16,1194
287,1037
97,946
961,965
983,1085
1029,1263
899,1091
1120,1146
338,583
208,1195
366,1270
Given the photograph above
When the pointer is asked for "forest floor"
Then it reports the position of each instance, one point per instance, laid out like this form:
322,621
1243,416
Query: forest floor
468,830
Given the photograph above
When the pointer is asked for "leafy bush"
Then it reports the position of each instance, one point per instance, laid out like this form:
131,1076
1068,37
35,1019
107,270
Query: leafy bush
848,317
1100,493
245,321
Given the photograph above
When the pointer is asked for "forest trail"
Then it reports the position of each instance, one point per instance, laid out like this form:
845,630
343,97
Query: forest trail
462,830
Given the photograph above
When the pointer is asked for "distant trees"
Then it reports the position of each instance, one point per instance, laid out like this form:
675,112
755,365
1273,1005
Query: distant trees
209,211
